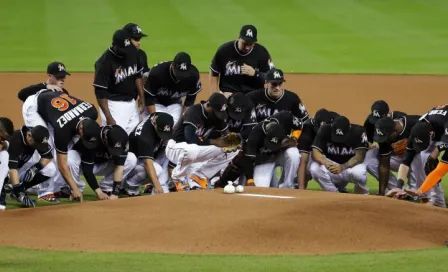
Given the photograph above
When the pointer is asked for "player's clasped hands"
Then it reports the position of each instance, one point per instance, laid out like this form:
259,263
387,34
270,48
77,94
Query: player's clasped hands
247,70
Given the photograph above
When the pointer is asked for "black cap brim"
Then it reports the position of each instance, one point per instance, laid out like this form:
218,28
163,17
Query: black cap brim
181,74
372,119
420,147
339,139
41,146
248,39
380,138
62,73
272,146
139,35
236,115
276,81
88,144
163,135
113,151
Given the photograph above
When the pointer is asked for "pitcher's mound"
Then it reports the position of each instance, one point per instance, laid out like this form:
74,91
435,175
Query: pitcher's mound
294,222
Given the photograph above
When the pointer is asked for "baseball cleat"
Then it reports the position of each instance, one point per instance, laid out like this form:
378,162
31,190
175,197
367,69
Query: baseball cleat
65,192
49,198
148,188
202,182
25,200
177,186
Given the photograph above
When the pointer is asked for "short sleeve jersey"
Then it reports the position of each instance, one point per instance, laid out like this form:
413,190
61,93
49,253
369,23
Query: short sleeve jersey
64,112
144,141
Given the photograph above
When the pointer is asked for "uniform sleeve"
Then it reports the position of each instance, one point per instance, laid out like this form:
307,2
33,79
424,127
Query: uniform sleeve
409,154
251,146
14,152
103,75
370,129
151,86
299,109
195,88
61,143
143,60
306,139
193,118
248,124
444,158
46,152
216,63
87,156
221,126
30,90
385,149
361,141
266,62
320,141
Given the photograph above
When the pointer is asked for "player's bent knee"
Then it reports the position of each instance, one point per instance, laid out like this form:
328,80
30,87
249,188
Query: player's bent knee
131,160
49,170
314,169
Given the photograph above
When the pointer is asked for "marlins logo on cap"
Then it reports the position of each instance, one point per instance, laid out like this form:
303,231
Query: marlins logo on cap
274,140
224,107
417,140
376,113
277,75
249,33
339,132
379,132
167,128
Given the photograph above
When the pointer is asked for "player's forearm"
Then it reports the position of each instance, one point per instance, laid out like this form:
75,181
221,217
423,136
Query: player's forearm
214,82
318,156
141,92
301,174
355,160
14,176
65,171
403,171
104,105
151,172
383,174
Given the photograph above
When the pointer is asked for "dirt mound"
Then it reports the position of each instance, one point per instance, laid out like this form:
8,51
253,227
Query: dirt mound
307,222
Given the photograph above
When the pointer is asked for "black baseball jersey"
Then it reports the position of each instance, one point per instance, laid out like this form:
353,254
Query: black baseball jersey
244,126
340,153
100,154
162,87
143,59
115,76
307,136
64,112
144,141
398,147
20,152
33,89
227,63
443,147
436,117
196,117
370,128
289,122
266,106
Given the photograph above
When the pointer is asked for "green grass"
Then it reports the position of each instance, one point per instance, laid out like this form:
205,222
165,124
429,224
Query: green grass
321,36
16,260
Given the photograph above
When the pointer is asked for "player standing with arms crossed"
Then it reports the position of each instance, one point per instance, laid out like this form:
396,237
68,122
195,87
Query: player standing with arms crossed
117,77
240,65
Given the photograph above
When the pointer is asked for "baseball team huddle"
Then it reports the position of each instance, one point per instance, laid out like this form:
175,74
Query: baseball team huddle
155,138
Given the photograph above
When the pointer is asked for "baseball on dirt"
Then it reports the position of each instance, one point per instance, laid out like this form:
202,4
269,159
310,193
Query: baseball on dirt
229,188
239,189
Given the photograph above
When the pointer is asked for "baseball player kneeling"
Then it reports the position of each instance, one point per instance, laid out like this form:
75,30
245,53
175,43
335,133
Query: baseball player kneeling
30,161
110,158
6,129
148,142
338,155
191,143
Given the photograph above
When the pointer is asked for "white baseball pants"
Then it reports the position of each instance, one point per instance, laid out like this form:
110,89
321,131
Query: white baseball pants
4,169
289,160
331,182
49,171
372,162
417,176
175,110
139,177
125,114
30,115
185,156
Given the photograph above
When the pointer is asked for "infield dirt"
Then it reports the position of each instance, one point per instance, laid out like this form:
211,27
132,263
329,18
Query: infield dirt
212,222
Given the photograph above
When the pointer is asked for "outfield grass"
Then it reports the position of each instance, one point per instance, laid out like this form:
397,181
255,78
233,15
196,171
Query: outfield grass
321,36
16,260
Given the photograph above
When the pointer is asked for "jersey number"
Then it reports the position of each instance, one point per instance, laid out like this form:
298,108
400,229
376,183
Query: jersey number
62,102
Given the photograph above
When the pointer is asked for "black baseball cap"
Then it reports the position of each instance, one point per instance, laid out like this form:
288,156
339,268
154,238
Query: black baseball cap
274,134
248,33
238,106
340,130
182,65
275,76
117,140
57,69
379,109
323,116
445,134
384,127
420,136
121,40
134,31
41,137
91,131
218,102
165,123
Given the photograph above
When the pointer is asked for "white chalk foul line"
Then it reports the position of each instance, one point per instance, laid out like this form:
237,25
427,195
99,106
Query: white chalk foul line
267,196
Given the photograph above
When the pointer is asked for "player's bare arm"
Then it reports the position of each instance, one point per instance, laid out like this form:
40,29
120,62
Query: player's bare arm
118,178
151,172
320,158
141,95
13,176
214,81
104,105
383,173
301,174
359,157
66,174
